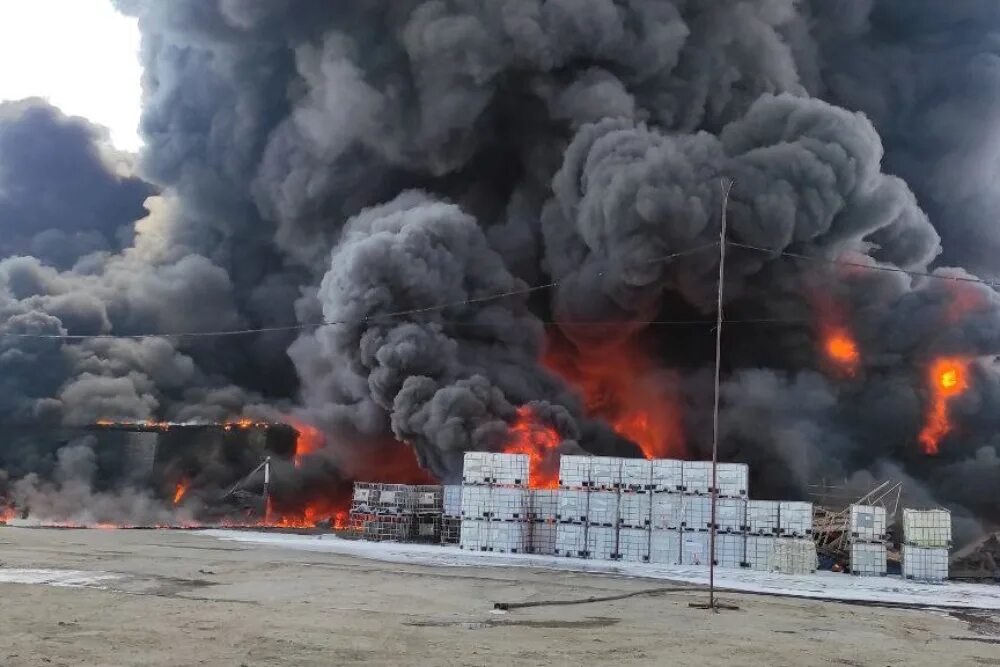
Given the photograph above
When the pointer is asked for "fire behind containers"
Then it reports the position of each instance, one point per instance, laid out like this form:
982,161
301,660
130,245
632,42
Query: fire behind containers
926,543
495,505
636,510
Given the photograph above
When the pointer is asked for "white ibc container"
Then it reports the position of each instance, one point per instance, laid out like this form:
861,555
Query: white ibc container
476,468
634,509
427,499
574,471
451,500
475,535
762,517
633,544
732,479
476,502
667,475
925,563
509,537
665,547
572,505
666,511
509,503
694,548
543,538
696,512
602,508
602,542
760,552
637,474
793,555
795,518
509,469
927,528
867,523
697,476
868,559
571,540
544,504
605,472
730,514
730,549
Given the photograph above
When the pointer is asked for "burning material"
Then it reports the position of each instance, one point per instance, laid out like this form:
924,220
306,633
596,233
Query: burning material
308,441
948,379
622,386
182,487
540,443
842,350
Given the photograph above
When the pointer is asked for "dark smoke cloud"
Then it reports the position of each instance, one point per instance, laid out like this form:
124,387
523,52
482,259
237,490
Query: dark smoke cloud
64,191
349,160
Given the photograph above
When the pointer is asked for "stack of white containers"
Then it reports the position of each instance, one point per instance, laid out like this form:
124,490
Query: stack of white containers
572,506
730,513
542,513
867,528
762,531
666,511
451,514
495,503
602,507
634,510
926,541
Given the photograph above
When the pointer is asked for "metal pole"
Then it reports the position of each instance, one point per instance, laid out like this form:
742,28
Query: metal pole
267,491
726,187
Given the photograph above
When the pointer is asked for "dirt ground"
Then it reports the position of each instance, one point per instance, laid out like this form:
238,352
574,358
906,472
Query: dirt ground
193,600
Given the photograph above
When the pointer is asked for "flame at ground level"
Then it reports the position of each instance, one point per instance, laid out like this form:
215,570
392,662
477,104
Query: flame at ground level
948,379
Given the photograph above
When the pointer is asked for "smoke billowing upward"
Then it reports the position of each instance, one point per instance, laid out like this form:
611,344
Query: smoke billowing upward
348,162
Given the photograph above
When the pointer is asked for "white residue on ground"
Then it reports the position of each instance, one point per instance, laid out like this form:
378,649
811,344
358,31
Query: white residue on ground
67,578
819,585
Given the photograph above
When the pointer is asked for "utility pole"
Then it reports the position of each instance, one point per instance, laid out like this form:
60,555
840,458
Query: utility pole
727,185
267,490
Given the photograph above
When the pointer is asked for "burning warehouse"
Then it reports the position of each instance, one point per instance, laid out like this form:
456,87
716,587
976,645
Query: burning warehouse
417,228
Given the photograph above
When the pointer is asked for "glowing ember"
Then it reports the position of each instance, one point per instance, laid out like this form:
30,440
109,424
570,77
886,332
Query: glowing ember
948,379
539,442
623,387
182,487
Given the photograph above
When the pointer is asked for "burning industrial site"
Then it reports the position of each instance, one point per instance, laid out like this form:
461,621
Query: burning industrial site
409,230
361,251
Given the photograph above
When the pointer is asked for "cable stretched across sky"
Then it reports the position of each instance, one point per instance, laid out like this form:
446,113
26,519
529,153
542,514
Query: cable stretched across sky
521,291
373,318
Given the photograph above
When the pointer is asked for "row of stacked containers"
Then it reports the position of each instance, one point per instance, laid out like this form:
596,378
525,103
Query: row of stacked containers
396,512
638,510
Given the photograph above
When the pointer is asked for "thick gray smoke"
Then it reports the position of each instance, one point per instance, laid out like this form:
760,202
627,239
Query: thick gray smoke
363,163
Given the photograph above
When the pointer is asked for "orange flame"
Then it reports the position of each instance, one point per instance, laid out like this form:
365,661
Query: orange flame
309,440
182,487
539,442
948,379
842,350
621,386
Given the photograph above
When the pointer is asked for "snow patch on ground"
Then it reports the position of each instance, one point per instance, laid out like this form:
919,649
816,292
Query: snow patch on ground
819,585
66,578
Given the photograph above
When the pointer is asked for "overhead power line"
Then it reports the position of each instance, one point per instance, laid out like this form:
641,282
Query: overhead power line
371,318
869,267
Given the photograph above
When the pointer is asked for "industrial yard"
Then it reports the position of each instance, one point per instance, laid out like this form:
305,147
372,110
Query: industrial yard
177,597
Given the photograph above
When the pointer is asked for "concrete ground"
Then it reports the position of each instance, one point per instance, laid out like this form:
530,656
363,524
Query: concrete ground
186,599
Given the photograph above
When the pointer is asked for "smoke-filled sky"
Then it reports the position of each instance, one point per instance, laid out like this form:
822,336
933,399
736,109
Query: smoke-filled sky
390,166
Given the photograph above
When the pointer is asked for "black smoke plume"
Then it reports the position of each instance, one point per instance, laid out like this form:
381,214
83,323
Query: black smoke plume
363,163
